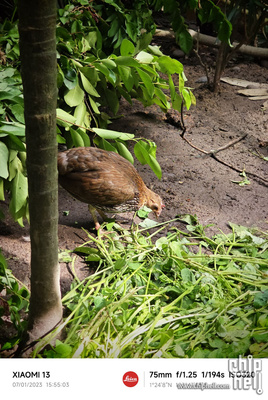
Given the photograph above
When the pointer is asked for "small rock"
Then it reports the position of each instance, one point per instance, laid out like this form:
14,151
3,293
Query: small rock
178,53
236,69
202,79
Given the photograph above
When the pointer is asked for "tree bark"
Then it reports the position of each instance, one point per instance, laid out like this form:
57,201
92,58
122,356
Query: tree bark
37,29
221,62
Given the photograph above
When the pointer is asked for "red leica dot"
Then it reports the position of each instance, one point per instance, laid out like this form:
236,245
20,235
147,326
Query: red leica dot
130,379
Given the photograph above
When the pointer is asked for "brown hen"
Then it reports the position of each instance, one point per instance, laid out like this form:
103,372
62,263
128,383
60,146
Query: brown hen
105,181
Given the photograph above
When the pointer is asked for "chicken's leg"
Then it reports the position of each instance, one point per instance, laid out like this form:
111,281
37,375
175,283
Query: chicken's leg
92,211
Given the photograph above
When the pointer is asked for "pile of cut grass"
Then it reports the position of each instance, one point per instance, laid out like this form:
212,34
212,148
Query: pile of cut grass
183,295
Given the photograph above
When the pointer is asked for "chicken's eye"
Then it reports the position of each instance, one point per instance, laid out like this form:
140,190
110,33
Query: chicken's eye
155,207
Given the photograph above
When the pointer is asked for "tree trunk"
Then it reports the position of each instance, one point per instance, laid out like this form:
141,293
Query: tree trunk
220,64
37,29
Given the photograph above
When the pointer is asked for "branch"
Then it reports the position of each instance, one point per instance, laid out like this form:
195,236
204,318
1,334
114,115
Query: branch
213,153
215,42
226,146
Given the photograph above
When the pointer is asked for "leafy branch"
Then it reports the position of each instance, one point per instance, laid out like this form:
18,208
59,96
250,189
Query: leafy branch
95,69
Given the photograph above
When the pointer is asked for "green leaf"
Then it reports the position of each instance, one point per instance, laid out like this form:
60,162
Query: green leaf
146,79
75,96
148,223
169,65
102,68
15,143
84,136
13,164
2,195
187,275
18,112
3,86
145,154
244,181
77,138
109,63
185,41
176,102
89,88
163,99
193,99
3,260
64,118
124,152
14,128
155,50
143,212
187,98
112,100
10,95
70,80
144,57
263,321
104,144
94,105
149,69
63,350
4,154
63,33
261,299
171,87
141,153
80,113
261,337
127,48
225,30
125,94
92,37
84,45
127,61
153,163
90,73
99,302
86,250
107,134
126,75
144,42
19,192
7,73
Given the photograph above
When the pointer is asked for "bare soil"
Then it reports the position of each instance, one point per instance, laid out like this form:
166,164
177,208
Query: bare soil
192,183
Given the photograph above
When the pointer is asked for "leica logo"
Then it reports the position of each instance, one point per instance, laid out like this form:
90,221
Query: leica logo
130,379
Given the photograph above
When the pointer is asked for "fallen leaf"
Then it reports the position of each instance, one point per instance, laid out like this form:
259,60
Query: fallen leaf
243,83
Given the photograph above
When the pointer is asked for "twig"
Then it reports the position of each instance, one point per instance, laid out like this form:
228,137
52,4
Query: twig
213,152
191,144
90,111
78,126
226,146
182,121
213,155
203,65
265,181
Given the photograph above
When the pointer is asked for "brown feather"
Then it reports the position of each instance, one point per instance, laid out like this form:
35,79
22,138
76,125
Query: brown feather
104,180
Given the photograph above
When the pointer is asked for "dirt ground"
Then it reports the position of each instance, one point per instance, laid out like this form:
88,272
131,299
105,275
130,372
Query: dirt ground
191,183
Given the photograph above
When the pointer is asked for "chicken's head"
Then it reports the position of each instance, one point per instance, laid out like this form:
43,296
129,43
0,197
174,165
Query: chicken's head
154,202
